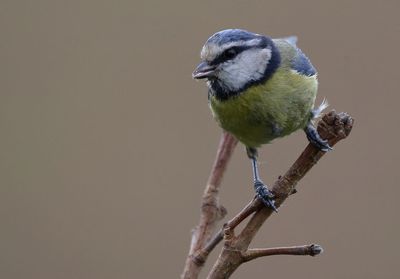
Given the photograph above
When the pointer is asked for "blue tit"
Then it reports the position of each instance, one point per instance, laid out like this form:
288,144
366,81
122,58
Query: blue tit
260,89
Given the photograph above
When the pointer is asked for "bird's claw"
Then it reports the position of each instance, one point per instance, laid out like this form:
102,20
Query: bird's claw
265,195
315,139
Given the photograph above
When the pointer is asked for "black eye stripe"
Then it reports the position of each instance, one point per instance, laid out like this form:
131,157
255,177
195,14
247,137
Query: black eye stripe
228,54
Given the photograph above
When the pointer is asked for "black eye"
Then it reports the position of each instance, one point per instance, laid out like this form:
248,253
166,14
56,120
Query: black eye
230,53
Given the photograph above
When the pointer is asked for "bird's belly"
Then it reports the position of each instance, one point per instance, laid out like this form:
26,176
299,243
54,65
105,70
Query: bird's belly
263,113
253,133
248,125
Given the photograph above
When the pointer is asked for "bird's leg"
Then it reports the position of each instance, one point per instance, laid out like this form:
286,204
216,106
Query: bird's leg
261,189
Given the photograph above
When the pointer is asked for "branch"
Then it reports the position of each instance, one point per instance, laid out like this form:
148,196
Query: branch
333,127
211,210
305,250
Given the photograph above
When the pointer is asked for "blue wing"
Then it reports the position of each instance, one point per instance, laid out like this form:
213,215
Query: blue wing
299,62
302,64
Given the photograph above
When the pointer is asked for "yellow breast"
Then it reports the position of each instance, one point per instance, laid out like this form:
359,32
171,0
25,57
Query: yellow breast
264,112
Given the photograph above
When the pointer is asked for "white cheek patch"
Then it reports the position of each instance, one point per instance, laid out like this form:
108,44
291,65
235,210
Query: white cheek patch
250,65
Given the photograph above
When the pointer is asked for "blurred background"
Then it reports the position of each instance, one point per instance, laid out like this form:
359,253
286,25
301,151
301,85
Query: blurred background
106,141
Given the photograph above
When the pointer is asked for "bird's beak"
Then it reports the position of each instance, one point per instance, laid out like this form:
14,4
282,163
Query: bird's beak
204,70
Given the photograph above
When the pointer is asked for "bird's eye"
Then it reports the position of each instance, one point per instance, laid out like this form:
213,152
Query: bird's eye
230,53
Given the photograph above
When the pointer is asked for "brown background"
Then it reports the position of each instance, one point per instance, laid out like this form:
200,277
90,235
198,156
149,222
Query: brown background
106,141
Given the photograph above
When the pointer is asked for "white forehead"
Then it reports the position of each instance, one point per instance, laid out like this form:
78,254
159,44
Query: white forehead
210,50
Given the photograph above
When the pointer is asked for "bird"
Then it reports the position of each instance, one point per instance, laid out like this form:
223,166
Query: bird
260,89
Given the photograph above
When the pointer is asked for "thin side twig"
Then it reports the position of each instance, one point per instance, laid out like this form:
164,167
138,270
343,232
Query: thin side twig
211,210
304,250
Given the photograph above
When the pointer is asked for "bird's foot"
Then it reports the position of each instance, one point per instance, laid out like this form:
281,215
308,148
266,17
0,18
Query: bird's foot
265,195
315,139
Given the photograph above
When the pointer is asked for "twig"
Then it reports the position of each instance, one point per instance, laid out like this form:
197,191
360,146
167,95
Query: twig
211,210
305,250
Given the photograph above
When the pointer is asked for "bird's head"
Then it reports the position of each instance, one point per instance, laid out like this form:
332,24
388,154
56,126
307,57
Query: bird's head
234,59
